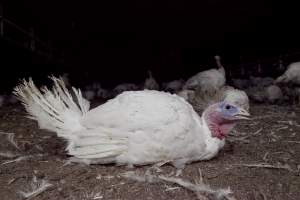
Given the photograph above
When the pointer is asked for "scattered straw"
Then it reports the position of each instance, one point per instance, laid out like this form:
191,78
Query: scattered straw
199,187
266,165
290,141
21,158
265,156
36,188
11,138
263,116
92,195
7,154
257,132
282,128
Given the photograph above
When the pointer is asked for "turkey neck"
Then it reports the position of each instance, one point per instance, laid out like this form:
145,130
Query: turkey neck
218,126
222,70
220,66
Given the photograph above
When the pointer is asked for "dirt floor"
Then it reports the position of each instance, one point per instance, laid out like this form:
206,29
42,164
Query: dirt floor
260,161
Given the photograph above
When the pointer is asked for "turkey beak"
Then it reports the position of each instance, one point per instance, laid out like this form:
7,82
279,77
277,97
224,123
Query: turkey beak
242,114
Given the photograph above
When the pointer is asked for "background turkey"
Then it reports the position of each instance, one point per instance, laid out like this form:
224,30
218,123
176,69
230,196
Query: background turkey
209,81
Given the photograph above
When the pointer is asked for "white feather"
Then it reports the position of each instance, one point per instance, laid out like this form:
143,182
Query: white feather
273,93
53,110
235,97
291,75
186,94
209,81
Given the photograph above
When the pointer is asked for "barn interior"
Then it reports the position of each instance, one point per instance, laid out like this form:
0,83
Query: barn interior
108,47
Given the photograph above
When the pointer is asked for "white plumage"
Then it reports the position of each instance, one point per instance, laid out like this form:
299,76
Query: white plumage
186,94
210,88
135,128
153,126
208,81
235,96
273,94
270,94
291,75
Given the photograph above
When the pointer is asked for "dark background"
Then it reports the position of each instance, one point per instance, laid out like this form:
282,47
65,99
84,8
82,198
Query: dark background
117,41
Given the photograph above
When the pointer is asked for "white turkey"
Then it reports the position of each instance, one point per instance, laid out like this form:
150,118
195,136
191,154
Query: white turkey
208,81
227,93
186,94
291,75
261,81
213,89
273,94
151,83
291,93
270,94
235,96
134,128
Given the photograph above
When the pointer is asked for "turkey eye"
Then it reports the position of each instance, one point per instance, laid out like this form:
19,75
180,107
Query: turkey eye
227,107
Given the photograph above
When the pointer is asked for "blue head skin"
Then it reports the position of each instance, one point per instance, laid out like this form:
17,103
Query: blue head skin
232,112
222,117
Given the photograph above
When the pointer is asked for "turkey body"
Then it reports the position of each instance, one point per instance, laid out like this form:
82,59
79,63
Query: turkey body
208,80
291,75
153,127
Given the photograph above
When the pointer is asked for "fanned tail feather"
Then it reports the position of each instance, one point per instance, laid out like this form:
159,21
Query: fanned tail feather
55,109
